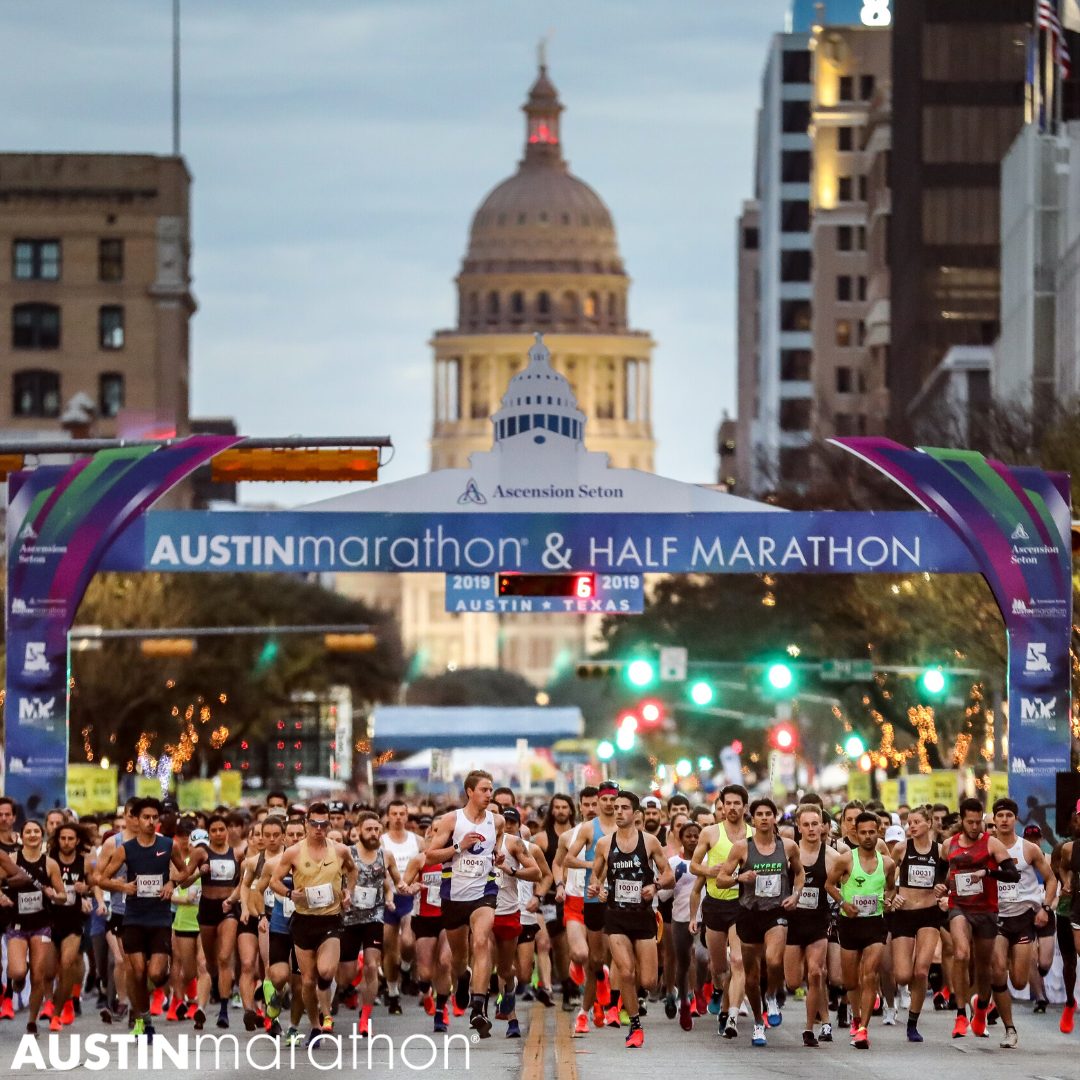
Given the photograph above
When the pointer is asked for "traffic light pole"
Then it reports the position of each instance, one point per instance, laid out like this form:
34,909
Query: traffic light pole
99,633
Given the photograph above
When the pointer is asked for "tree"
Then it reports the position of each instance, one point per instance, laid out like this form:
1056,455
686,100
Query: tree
472,686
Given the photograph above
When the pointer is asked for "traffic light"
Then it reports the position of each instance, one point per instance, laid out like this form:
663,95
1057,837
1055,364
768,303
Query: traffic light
626,737
784,737
854,746
604,750
702,692
349,642
641,672
302,463
267,655
597,669
779,676
182,646
933,681
651,713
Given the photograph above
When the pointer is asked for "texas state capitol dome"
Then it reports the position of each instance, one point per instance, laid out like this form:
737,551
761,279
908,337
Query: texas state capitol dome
542,255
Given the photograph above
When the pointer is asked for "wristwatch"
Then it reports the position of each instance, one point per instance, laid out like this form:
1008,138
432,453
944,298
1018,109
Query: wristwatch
457,848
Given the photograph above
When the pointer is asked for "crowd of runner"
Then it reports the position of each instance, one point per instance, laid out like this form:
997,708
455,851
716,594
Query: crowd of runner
309,915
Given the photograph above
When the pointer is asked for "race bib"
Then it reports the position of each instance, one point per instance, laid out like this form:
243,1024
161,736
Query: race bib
547,912
30,903
288,908
194,892
575,882
968,885
319,896
627,892
1008,892
433,884
148,886
364,896
920,877
69,891
865,905
808,898
767,885
269,896
221,869
472,866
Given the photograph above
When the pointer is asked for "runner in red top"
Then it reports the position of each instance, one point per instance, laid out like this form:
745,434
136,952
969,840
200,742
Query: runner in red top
978,860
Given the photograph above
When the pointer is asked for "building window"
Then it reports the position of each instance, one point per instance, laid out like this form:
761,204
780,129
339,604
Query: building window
860,237
111,327
493,305
795,117
448,389
570,306
795,414
843,287
845,139
794,365
110,260
36,393
794,216
844,189
847,88
631,389
795,166
844,238
750,239
843,333
35,326
795,265
863,188
796,66
592,306
35,260
612,306
110,393
866,87
543,304
862,288
794,315
843,380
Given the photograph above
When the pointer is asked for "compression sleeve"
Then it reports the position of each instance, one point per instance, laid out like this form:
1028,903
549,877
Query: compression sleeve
1006,871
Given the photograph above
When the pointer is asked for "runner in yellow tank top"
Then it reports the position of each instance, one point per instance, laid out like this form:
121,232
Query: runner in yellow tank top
720,907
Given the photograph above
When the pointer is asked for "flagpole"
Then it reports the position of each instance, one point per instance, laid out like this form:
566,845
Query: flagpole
176,78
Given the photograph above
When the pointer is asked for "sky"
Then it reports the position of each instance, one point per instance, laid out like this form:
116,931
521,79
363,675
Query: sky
340,147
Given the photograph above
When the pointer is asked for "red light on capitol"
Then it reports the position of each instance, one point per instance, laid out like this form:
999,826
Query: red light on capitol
583,586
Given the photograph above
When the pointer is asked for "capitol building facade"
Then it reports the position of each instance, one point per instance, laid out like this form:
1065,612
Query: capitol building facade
542,256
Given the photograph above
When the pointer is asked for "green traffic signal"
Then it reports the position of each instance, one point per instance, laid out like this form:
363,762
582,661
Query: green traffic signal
779,676
933,681
854,746
702,692
604,750
640,672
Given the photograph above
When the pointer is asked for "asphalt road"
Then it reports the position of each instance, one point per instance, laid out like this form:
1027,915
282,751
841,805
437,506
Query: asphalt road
546,1052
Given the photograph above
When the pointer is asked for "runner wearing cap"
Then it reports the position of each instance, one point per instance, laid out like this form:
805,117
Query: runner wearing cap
978,863
1024,907
466,841
628,866
579,856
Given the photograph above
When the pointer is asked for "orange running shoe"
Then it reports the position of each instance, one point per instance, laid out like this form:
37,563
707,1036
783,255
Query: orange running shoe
611,1017
67,1013
603,988
364,1026
635,1039
46,1011
581,1025
454,1005
428,1003
978,1022
1067,1015
597,1014
960,1028
157,1002
7,1009
577,973
56,1024
861,1040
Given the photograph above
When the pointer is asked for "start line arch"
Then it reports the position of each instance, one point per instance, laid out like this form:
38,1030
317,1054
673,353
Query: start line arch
538,502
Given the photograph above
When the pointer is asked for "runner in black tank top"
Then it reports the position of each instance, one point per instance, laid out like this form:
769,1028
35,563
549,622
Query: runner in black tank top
69,919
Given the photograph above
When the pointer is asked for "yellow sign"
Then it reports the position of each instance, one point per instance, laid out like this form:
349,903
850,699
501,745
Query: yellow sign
91,789
890,794
146,787
920,789
998,786
230,787
858,785
943,787
196,795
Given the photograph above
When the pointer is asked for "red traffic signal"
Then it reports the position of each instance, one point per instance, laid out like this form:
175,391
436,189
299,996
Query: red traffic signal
651,713
784,737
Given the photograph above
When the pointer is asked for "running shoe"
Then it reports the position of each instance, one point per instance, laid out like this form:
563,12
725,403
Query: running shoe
327,1024
157,1002
1067,1015
826,1033
7,1009
31,1028
686,1021
809,1038
46,1011
905,998
271,999
843,1016
251,1020
171,1015
1009,1041
293,1036
716,1001
772,1011
694,1010
889,1017
978,1023
56,1024
731,1028
671,1007
200,1019
913,1034
427,1003
960,1028
480,1024
635,1039
624,1016
393,1004
862,1039
603,988
513,1031
313,1036
543,995
363,1027
67,1013
461,993
139,1027
441,1023
612,1018
758,1038
581,1025
223,1018
597,1014
1040,1005
577,973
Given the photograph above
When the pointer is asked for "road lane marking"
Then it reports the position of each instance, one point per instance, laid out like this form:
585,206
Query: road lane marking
532,1057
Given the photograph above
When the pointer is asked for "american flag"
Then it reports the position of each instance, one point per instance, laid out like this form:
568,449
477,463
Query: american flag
1046,18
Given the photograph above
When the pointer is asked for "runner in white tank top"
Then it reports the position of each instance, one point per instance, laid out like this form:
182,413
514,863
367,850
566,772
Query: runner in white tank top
399,944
